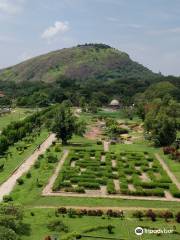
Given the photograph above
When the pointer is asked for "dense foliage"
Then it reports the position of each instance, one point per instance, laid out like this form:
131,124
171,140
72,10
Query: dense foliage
11,222
66,124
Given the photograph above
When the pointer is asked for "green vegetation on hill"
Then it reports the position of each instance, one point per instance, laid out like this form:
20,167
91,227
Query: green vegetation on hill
94,73
90,61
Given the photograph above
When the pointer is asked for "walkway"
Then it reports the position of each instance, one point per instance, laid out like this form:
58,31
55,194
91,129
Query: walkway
8,185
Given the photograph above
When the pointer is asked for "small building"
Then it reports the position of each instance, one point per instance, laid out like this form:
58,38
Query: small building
114,104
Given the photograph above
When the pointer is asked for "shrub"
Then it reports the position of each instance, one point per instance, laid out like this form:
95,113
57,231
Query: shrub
58,226
167,215
89,185
80,190
110,187
20,181
28,175
99,142
152,215
7,198
138,214
62,210
57,148
110,229
52,159
37,165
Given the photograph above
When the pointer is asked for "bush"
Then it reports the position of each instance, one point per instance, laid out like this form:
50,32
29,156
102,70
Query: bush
28,175
20,181
62,210
58,226
52,159
99,142
89,185
152,215
57,148
7,198
110,187
79,190
138,214
37,165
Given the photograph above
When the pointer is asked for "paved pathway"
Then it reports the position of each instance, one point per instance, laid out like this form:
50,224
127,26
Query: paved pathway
9,184
48,189
106,146
166,168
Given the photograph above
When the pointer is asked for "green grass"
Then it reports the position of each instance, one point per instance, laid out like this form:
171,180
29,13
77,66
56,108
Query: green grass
16,115
124,229
16,159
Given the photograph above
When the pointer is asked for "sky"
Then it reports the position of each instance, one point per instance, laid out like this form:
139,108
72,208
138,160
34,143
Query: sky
148,30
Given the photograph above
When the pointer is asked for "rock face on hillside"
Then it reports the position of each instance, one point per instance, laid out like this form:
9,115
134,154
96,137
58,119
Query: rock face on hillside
89,61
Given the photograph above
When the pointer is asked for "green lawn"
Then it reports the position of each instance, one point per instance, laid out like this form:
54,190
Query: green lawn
124,229
16,115
16,159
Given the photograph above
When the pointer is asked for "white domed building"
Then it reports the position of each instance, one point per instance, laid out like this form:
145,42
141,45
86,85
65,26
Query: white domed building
115,104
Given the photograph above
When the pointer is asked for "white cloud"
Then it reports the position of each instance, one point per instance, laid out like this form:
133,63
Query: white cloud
11,6
58,28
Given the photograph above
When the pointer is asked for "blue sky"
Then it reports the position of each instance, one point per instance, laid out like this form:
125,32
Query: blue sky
148,30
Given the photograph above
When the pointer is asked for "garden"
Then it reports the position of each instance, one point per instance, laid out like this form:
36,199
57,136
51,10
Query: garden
95,172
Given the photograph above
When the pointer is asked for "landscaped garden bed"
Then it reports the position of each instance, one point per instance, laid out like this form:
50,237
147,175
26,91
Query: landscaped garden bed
89,171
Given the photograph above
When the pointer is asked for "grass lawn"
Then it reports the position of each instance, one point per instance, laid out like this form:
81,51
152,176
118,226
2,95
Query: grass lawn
16,159
124,229
16,115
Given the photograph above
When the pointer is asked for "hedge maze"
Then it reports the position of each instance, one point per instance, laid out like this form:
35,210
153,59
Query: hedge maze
108,173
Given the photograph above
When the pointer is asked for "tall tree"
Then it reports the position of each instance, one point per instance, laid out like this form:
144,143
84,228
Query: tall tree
66,124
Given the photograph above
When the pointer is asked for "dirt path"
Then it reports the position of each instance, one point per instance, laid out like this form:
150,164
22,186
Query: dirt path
166,168
8,185
48,189
106,146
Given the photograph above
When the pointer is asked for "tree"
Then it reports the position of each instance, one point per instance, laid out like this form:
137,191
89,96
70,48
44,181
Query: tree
110,229
7,234
167,215
138,214
57,226
151,215
161,121
11,222
66,124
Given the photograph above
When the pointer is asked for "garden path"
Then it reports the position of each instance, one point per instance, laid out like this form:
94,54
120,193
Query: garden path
166,168
8,185
48,189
